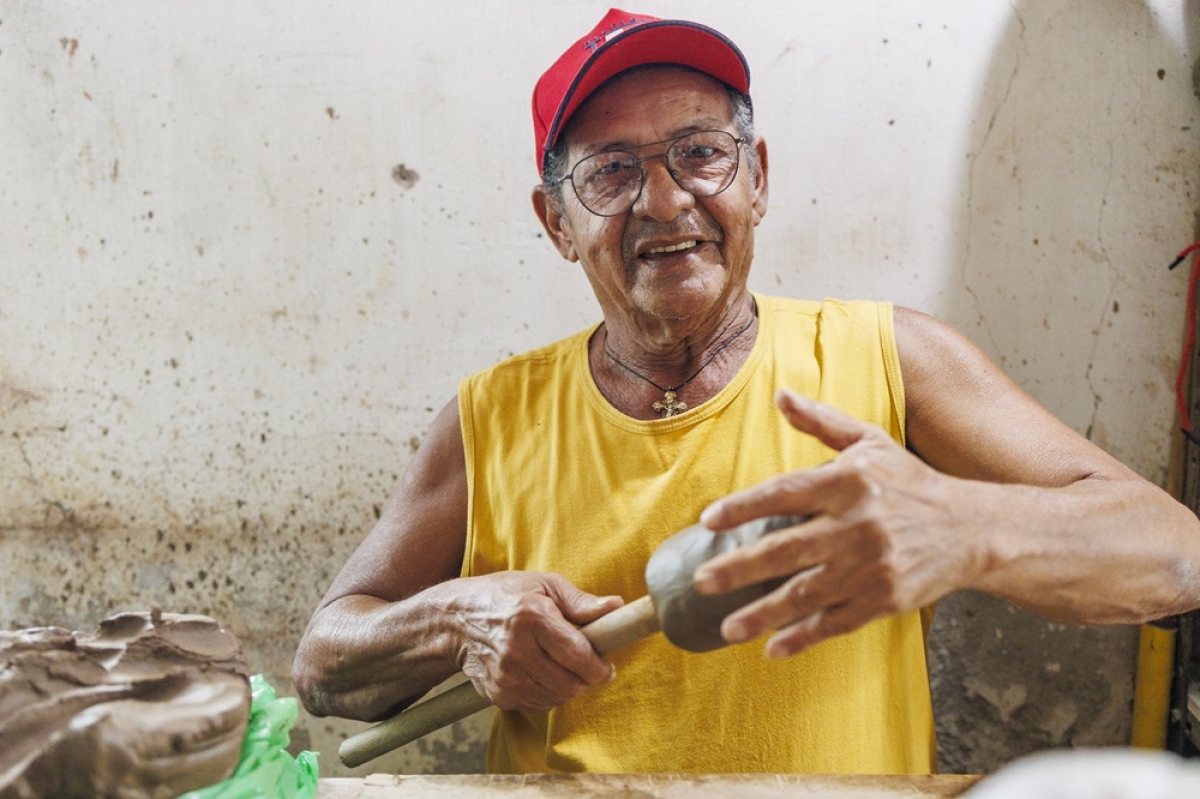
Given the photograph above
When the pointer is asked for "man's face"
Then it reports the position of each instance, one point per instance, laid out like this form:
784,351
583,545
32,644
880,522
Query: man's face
671,256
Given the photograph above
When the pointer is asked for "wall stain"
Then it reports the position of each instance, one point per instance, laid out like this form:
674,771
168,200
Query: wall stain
1006,700
407,178
12,397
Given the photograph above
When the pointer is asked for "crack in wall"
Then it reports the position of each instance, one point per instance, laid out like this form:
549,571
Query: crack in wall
1106,308
11,399
58,514
971,174
32,477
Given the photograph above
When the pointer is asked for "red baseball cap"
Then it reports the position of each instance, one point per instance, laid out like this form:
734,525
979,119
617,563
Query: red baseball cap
619,42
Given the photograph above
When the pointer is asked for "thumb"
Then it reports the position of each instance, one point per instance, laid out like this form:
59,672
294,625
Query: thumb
798,492
827,424
580,607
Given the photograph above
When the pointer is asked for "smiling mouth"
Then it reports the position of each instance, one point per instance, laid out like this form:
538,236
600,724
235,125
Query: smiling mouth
683,245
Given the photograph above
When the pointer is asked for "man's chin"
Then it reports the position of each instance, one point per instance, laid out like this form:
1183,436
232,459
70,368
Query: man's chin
672,298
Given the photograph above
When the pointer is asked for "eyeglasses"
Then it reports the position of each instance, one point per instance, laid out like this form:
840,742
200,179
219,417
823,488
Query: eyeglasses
702,163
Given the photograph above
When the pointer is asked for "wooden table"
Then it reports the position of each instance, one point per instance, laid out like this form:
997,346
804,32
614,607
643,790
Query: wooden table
643,786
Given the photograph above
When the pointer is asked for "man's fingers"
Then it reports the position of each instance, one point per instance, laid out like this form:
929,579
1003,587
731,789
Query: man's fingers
569,649
565,644
800,622
799,492
833,428
574,664
778,554
801,595
534,693
577,606
814,629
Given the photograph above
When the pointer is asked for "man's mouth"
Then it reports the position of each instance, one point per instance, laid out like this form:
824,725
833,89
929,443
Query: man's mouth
670,248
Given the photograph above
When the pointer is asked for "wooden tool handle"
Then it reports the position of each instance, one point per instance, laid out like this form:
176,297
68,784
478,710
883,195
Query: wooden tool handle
608,633
409,725
623,626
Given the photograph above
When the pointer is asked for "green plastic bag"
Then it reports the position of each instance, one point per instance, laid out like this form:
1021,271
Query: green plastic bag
266,770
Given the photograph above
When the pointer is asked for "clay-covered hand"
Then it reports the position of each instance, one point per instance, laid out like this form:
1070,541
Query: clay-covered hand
881,538
520,643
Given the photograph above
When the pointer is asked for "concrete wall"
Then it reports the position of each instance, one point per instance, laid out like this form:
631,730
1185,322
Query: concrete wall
248,248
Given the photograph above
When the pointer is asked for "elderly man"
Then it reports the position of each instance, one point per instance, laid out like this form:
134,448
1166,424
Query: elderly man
544,486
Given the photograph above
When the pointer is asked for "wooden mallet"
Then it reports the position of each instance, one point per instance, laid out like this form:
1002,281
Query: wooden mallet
690,620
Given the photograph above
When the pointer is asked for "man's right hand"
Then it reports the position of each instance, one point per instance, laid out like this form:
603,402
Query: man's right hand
520,642
398,620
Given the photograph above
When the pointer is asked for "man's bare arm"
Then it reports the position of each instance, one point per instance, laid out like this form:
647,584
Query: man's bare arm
398,619
1069,531
995,495
373,645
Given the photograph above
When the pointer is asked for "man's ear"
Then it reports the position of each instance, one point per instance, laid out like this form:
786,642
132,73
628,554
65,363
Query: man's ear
555,223
759,178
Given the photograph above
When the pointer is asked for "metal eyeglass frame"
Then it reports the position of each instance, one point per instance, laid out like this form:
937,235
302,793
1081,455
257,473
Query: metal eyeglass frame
738,141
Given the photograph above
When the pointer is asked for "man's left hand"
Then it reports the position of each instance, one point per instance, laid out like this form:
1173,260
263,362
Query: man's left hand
884,536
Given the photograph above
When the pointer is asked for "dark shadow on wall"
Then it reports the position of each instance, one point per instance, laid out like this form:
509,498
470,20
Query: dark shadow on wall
1061,255
1192,15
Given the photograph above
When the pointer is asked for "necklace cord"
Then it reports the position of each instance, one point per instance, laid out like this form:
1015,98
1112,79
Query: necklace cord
690,377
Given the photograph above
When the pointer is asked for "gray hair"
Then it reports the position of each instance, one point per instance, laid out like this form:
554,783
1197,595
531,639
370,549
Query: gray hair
554,164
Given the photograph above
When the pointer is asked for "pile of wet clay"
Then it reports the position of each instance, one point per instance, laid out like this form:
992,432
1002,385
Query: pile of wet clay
151,705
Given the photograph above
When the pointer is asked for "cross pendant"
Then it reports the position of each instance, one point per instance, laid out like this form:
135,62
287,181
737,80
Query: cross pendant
668,406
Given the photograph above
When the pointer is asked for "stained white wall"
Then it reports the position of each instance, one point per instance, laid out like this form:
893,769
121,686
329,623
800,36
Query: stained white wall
248,248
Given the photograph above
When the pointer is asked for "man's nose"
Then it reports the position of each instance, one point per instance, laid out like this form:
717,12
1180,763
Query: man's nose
661,198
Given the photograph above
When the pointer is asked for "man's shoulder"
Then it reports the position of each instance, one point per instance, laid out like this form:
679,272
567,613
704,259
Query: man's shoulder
825,310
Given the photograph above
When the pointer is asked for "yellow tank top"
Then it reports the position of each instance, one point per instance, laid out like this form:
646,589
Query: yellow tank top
561,481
